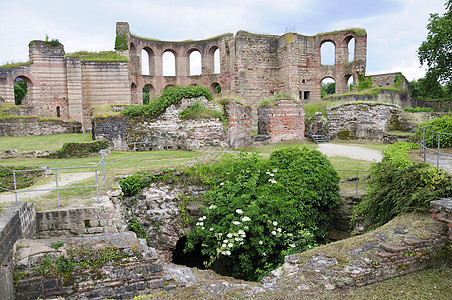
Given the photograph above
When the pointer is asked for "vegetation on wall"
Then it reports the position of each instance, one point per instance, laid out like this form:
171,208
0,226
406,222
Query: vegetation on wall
102,56
358,31
260,210
121,41
365,82
398,185
273,100
170,95
199,111
417,109
15,65
71,150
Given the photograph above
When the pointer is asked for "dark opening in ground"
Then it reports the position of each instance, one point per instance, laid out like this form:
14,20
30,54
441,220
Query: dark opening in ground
191,259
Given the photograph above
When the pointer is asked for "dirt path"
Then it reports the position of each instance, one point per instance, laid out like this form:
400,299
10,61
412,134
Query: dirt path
63,180
354,152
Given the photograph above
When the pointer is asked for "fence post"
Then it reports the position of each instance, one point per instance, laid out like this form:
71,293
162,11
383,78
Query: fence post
425,143
437,154
97,186
135,153
357,181
15,184
103,170
422,141
58,191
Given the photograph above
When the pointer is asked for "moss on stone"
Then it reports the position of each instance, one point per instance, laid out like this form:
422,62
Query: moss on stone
345,134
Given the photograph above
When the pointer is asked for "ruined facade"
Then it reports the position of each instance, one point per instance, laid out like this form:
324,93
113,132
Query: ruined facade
247,66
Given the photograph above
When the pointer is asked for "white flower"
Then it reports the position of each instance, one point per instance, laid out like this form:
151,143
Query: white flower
223,246
279,229
292,245
225,241
261,242
275,223
246,219
235,222
246,227
229,235
264,254
271,174
238,239
241,232
275,170
220,234
203,228
272,181
267,173
227,252
222,183
230,245
200,223
213,206
211,228
239,211
274,232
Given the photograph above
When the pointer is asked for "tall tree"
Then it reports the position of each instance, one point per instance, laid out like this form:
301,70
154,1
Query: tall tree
436,50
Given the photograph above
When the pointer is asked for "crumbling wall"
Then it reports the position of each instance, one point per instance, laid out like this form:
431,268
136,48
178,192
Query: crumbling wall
34,126
362,120
239,124
282,121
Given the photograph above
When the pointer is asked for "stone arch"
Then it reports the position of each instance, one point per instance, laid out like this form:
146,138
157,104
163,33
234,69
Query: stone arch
133,48
169,62
32,85
327,52
194,61
215,88
350,44
327,80
150,90
214,59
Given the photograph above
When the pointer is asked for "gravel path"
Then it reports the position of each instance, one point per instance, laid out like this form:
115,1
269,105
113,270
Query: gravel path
354,152
64,179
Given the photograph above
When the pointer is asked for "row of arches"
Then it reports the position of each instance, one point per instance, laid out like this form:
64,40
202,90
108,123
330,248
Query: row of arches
148,91
328,51
197,62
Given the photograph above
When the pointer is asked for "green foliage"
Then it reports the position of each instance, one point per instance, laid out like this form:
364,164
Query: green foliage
273,100
398,185
260,210
131,185
145,95
102,56
436,50
135,226
358,31
23,179
56,245
71,150
52,42
417,109
399,78
429,88
312,107
121,42
170,95
20,91
198,110
327,88
444,125
365,82
15,65
218,90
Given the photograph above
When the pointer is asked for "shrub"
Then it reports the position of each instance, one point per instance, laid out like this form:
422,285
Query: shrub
365,82
444,125
398,185
260,210
170,95
70,150
417,109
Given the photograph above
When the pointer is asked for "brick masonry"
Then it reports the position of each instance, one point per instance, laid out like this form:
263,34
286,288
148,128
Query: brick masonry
282,121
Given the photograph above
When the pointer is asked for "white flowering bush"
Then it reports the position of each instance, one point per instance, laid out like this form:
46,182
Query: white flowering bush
260,210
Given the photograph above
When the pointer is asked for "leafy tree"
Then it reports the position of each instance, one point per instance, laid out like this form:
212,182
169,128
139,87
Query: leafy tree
429,88
327,88
436,50
20,91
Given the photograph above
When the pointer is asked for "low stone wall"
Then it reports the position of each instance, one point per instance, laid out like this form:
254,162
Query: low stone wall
283,121
34,126
99,219
362,120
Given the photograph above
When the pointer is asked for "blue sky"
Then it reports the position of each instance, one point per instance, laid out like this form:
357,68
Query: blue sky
395,28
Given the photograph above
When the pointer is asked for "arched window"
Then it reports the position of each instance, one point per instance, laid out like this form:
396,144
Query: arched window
195,63
216,61
215,88
327,53
327,86
133,49
350,84
148,93
169,64
351,49
144,62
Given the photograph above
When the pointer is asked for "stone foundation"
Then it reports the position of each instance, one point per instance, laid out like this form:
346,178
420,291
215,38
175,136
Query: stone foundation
34,126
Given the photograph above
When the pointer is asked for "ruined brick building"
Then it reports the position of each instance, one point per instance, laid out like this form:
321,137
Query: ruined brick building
249,66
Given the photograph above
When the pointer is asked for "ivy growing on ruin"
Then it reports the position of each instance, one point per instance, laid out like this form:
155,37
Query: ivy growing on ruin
121,42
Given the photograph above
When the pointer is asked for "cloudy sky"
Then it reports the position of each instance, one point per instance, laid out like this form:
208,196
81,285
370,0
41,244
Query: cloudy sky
395,28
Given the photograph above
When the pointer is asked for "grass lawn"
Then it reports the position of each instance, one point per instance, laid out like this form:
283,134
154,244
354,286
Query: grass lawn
41,142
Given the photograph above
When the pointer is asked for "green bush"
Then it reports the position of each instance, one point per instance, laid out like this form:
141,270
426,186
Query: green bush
70,150
260,210
398,185
417,109
131,185
365,82
444,125
312,107
170,95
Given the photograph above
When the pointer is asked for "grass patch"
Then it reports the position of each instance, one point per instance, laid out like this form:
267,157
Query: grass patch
273,100
104,111
15,65
358,31
199,111
102,56
267,149
42,142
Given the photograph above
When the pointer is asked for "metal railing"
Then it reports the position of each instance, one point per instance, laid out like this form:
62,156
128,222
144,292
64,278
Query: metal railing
428,138
356,179
97,168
